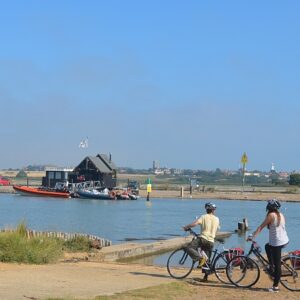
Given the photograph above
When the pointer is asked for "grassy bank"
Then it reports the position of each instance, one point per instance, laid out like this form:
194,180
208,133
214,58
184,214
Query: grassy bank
17,246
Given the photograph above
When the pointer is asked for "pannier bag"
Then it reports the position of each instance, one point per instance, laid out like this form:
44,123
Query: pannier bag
233,252
295,259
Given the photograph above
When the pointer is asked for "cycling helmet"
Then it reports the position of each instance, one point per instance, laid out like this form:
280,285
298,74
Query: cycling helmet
210,205
273,204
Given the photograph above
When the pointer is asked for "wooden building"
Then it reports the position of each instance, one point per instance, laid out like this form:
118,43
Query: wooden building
96,168
55,175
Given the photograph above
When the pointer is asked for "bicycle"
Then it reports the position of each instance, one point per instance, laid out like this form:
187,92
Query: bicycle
180,264
244,272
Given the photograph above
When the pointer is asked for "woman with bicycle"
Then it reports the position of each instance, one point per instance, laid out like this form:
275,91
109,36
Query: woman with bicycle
278,239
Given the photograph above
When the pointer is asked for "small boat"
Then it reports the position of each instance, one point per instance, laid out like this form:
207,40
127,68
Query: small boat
133,196
126,196
40,191
94,194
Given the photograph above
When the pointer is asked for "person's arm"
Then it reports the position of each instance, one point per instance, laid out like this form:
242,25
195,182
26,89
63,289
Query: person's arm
267,221
187,227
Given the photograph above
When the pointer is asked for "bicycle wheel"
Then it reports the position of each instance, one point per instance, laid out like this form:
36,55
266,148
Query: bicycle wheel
219,268
289,273
242,271
180,264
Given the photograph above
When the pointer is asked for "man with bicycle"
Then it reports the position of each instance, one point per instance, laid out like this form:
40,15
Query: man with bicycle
209,225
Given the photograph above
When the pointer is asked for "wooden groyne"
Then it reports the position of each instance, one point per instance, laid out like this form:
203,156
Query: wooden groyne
97,242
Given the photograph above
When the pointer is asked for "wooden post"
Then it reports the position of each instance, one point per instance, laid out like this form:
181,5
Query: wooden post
182,192
245,221
241,226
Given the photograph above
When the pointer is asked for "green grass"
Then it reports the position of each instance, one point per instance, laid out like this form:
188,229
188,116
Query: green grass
16,246
77,244
176,290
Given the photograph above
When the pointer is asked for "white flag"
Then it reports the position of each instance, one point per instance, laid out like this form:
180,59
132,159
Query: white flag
84,143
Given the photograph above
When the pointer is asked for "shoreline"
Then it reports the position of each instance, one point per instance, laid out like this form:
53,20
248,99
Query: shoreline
222,195
250,196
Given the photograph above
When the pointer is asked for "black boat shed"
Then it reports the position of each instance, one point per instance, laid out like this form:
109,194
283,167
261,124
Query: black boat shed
96,168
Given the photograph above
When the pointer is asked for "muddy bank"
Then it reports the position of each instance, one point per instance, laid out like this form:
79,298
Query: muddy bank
255,196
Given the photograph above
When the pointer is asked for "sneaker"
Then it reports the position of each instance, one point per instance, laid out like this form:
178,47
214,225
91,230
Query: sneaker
274,289
202,262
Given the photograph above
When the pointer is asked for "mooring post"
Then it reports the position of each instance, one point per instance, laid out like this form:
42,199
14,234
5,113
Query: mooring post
241,226
148,196
245,221
182,192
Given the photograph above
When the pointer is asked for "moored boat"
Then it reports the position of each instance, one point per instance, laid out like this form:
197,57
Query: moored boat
95,194
32,191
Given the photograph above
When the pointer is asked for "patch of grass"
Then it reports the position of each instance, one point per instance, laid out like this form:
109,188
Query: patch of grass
175,290
15,246
77,244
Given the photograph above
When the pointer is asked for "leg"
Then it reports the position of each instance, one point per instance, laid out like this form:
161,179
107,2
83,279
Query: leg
192,249
269,255
276,255
207,247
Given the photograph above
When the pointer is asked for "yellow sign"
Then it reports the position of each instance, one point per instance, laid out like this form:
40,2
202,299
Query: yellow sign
149,188
244,159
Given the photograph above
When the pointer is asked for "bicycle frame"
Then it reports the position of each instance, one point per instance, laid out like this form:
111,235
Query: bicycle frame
255,249
209,264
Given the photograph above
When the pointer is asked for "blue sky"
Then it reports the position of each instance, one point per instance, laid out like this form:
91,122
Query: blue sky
192,84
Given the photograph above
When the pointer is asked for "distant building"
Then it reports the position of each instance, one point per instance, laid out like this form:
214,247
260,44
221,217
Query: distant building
96,168
284,175
272,168
176,171
158,172
256,174
55,175
155,165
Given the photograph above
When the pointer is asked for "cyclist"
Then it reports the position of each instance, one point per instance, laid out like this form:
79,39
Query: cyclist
209,225
278,239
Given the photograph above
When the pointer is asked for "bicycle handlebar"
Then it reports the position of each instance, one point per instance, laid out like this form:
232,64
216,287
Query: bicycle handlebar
254,244
192,232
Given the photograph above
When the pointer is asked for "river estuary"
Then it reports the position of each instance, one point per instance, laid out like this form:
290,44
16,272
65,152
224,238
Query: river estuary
139,220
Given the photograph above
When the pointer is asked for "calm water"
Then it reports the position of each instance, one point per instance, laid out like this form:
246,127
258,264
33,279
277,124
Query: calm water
142,220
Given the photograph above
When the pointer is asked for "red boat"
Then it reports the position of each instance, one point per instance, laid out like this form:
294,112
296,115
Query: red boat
31,191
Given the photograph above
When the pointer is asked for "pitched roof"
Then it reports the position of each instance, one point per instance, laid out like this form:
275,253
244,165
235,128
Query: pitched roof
109,163
99,164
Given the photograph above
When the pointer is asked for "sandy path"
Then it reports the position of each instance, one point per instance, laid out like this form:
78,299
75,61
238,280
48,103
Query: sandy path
87,280
80,280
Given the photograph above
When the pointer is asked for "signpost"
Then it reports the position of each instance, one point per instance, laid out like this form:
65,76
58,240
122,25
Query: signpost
244,161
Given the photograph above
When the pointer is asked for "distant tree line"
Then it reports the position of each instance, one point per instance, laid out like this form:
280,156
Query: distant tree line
295,179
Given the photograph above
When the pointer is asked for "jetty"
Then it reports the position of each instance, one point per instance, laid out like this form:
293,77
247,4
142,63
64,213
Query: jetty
130,251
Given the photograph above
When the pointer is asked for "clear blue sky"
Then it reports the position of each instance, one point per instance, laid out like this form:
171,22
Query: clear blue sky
192,84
